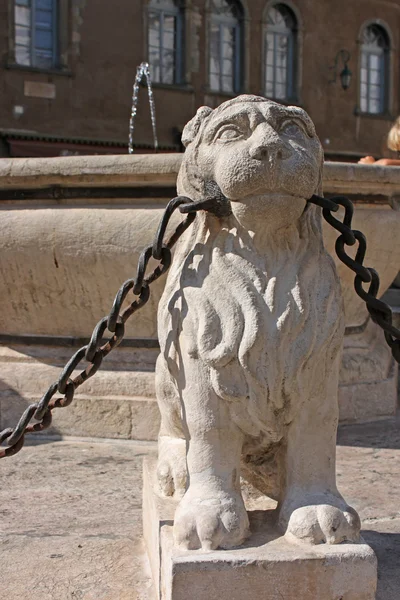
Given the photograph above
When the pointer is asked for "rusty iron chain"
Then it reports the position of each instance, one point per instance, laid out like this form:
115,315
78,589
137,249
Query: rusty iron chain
379,311
98,348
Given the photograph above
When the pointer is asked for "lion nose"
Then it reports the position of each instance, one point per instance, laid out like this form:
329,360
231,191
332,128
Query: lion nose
267,144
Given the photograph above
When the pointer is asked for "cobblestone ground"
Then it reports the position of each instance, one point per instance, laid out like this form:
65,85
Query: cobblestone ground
70,515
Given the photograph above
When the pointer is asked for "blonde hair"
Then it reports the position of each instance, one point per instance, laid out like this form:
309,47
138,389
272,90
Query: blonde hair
393,140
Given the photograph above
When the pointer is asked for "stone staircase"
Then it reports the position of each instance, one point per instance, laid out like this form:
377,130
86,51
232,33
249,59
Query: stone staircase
118,402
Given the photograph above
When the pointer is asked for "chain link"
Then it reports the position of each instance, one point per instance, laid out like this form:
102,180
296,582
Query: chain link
98,347
379,311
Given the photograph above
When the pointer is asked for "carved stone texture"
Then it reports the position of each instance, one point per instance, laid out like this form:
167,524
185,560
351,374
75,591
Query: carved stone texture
251,326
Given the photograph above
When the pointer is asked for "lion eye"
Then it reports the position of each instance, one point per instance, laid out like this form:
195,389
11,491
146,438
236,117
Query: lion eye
229,133
291,127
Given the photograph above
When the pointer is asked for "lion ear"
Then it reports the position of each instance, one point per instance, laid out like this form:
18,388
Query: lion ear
191,129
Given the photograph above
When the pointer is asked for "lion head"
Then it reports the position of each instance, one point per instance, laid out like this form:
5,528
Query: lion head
244,287
263,156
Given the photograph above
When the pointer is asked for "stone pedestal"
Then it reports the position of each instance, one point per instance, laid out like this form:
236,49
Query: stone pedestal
368,376
267,567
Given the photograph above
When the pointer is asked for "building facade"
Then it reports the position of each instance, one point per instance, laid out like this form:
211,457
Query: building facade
68,67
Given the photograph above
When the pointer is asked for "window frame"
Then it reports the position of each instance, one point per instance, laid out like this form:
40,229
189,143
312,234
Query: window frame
178,14
293,58
384,57
237,25
33,50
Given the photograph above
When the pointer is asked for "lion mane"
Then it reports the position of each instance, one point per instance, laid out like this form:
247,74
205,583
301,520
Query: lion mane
258,322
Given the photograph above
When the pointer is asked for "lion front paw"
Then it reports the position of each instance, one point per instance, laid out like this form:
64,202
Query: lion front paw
210,519
171,466
325,519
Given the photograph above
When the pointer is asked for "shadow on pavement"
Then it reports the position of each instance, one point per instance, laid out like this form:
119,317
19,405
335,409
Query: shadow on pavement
387,548
378,434
12,406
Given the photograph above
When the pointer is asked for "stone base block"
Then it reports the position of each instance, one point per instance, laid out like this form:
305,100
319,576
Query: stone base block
267,567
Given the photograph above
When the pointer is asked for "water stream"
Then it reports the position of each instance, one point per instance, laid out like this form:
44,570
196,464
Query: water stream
143,70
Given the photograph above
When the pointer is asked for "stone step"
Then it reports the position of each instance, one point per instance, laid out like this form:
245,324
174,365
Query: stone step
34,378
117,417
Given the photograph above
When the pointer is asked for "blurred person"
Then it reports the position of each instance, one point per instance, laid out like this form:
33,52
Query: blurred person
393,143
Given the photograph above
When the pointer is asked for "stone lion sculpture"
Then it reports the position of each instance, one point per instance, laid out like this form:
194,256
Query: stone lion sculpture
250,328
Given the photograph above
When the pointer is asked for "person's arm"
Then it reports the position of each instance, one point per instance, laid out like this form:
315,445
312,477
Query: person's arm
388,162
383,162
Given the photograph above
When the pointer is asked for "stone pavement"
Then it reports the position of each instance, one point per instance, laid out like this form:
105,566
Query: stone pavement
70,514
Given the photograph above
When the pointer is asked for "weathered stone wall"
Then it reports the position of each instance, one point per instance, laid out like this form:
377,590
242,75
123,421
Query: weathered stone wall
63,255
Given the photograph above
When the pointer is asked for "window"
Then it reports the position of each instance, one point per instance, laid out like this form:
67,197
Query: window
374,70
280,53
226,43
35,33
165,41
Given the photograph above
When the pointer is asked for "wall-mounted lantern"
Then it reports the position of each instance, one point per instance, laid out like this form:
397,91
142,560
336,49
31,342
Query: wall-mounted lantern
345,74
